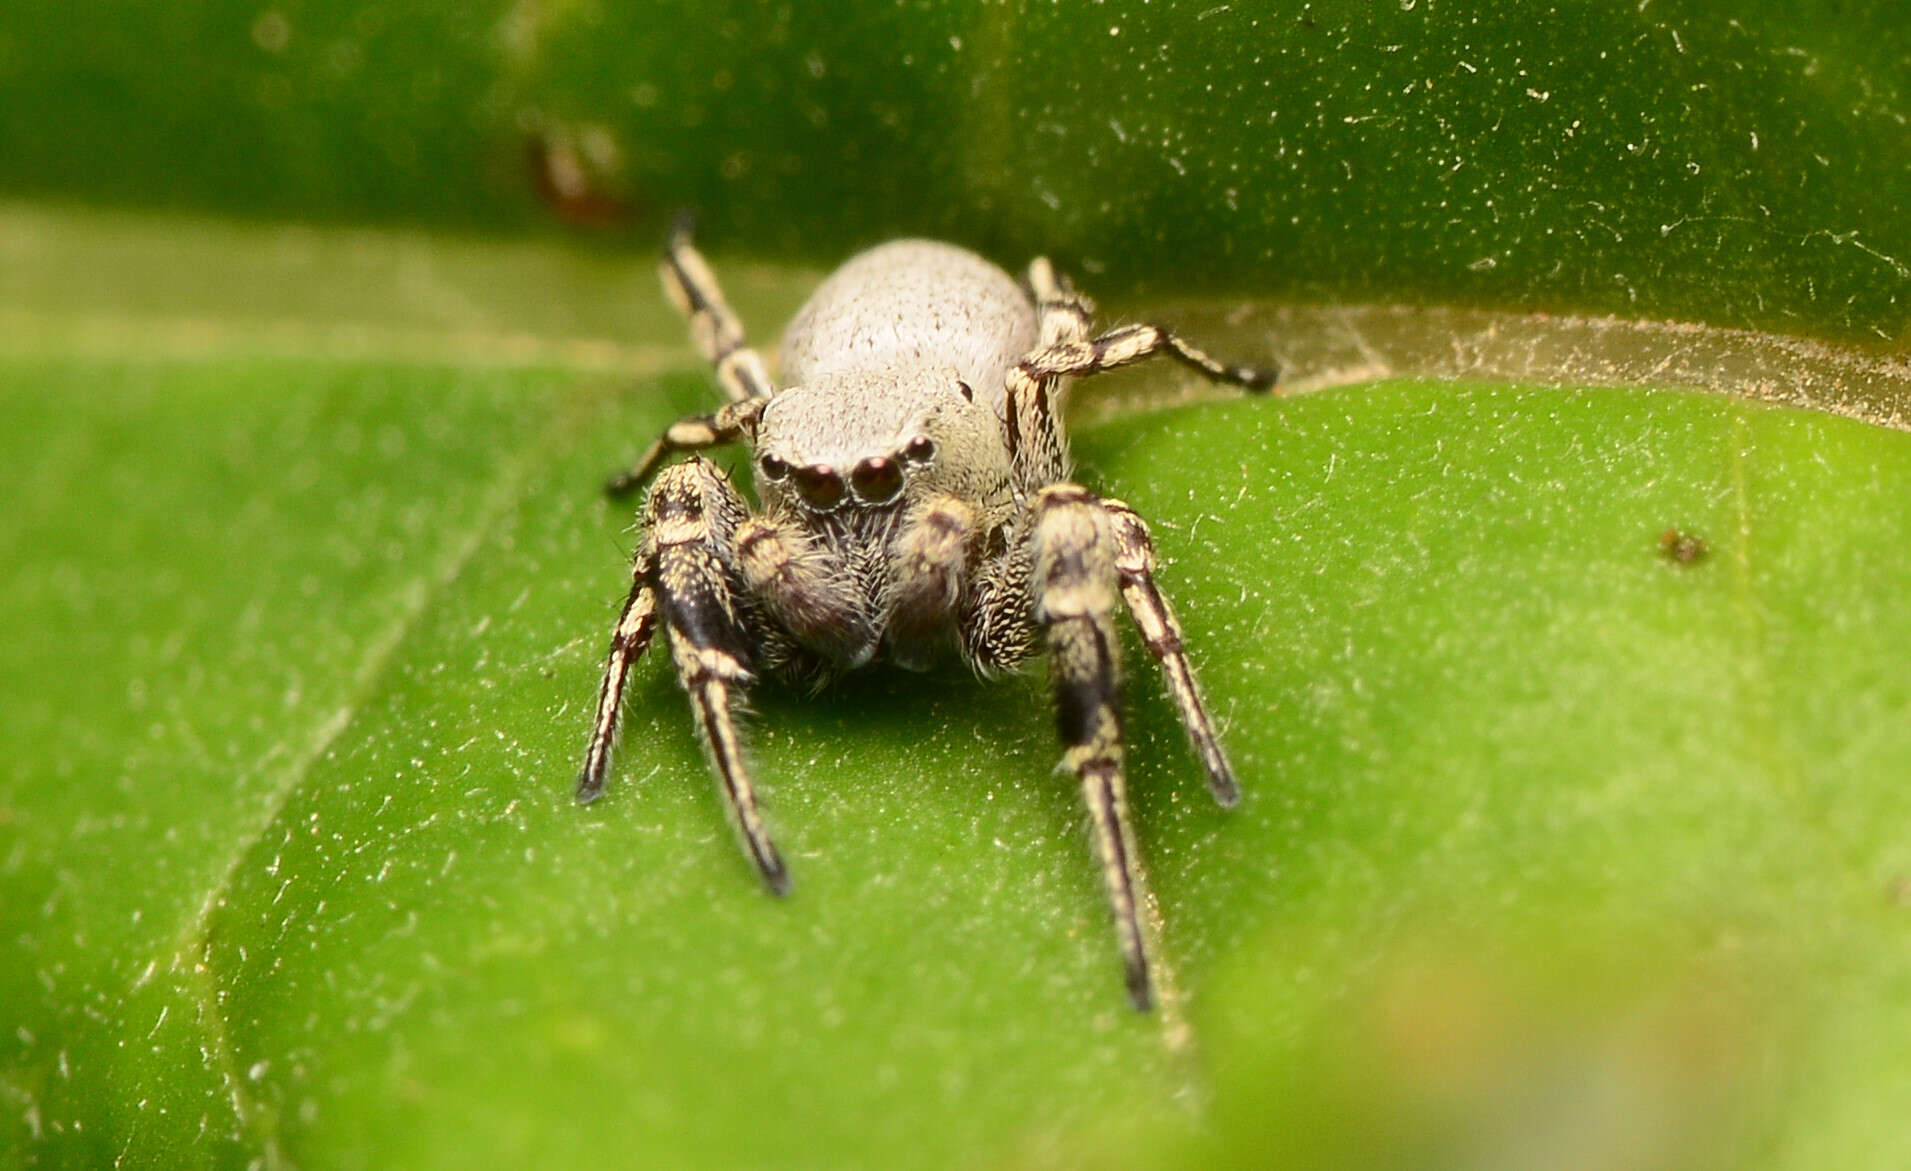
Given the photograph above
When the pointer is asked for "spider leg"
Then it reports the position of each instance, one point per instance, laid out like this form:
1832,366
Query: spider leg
1135,566
1065,348
691,433
1038,451
1062,313
714,327
1074,576
689,521
718,336
1128,344
635,626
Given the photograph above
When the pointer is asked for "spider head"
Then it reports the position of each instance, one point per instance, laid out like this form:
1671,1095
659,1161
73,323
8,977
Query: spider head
875,440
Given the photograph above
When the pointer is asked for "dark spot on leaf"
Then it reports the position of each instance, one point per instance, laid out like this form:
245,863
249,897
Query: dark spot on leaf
1681,547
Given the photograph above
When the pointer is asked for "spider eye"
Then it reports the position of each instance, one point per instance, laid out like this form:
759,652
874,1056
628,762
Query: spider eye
820,486
876,479
920,450
774,468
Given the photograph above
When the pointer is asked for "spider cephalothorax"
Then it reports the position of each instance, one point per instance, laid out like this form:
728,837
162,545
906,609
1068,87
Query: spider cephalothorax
914,500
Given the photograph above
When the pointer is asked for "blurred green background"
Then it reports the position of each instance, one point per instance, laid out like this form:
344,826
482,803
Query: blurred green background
320,323
1743,164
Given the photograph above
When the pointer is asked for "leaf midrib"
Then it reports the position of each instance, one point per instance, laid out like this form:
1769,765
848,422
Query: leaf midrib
192,958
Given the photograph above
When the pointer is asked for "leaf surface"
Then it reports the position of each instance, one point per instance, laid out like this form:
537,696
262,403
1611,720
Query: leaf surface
1553,841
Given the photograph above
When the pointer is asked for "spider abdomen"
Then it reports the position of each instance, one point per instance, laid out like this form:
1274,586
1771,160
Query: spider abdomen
914,304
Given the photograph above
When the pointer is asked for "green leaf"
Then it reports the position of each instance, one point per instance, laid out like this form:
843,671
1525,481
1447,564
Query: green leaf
1557,841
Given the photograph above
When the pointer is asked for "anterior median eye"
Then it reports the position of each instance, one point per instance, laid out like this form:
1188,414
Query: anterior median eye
876,479
820,486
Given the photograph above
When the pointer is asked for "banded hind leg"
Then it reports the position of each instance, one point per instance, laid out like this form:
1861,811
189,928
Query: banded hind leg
1075,357
719,337
1066,347
1062,314
1038,450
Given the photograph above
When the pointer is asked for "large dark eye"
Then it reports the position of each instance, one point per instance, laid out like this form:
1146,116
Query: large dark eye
919,450
774,469
820,486
876,479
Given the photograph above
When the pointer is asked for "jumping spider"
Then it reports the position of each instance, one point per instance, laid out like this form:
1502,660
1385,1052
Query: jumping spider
915,491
